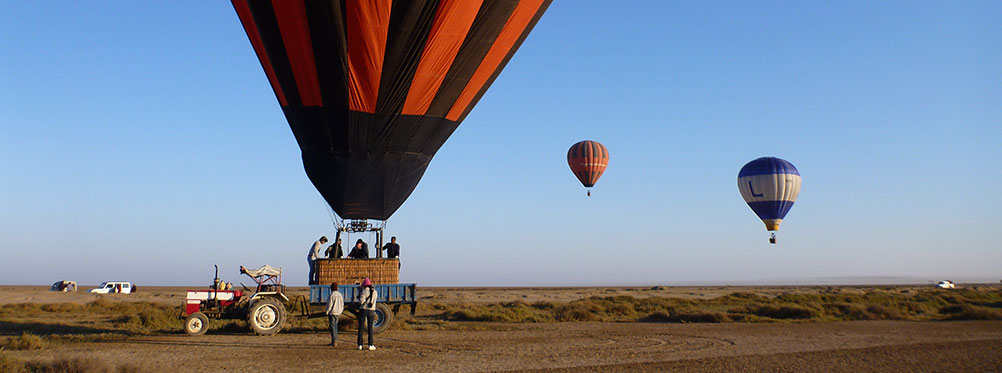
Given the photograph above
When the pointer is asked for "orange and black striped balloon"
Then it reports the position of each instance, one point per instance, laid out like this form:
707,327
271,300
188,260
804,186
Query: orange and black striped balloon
588,160
372,88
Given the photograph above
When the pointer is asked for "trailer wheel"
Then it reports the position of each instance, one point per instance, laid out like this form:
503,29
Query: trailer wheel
384,316
266,316
196,324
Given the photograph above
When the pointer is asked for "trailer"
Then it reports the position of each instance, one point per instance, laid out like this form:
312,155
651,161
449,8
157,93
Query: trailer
390,298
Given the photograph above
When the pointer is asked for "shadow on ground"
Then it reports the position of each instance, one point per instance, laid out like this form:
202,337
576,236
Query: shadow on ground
10,328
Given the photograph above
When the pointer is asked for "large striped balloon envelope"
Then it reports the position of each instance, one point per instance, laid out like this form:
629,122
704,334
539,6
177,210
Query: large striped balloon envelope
770,187
373,88
588,160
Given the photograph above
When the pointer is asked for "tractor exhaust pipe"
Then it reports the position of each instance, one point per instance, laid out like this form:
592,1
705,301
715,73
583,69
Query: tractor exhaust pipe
215,284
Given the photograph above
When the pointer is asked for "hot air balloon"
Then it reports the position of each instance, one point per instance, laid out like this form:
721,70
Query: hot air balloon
588,160
770,187
373,88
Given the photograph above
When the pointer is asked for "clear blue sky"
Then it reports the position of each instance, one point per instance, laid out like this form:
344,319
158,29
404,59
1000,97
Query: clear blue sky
141,141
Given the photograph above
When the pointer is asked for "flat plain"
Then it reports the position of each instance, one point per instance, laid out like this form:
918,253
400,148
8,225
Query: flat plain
755,328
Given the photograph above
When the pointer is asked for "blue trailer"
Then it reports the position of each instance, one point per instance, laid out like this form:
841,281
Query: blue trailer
390,298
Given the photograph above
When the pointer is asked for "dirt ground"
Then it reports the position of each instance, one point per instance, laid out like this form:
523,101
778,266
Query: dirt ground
955,346
447,295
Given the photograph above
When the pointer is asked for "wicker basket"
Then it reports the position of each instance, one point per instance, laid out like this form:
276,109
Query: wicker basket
353,271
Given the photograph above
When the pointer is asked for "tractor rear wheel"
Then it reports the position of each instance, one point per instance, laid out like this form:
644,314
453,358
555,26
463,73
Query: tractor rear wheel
266,316
384,316
196,324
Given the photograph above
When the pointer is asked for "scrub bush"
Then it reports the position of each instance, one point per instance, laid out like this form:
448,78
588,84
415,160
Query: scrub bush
26,341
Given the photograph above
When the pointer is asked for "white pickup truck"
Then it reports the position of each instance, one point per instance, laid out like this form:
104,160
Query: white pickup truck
115,287
946,284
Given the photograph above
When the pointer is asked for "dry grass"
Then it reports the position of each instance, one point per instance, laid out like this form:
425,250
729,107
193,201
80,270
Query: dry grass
63,365
11,365
876,304
35,326
971,312
26,341
114,317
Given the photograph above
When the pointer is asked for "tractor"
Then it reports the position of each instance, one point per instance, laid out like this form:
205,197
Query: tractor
262,307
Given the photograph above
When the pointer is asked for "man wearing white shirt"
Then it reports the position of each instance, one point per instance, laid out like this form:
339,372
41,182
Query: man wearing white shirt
335,305
311,258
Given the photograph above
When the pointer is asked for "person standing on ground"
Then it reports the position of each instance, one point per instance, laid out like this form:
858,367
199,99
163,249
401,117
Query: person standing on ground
334,251
360,251
335,305
393,248
367,312
311,258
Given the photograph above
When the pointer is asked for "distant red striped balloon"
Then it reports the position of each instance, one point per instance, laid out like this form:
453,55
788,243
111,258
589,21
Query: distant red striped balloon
588,160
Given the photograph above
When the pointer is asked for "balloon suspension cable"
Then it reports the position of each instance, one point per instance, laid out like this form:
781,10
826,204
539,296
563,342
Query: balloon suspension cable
336,220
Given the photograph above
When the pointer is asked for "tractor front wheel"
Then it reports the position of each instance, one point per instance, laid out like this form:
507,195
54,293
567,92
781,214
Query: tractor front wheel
196,324
266,316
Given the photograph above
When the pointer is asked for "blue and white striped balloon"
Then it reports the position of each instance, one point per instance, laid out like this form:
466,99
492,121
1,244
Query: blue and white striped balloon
770,186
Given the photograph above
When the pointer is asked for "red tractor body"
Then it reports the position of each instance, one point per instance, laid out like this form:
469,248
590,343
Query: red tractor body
196,300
